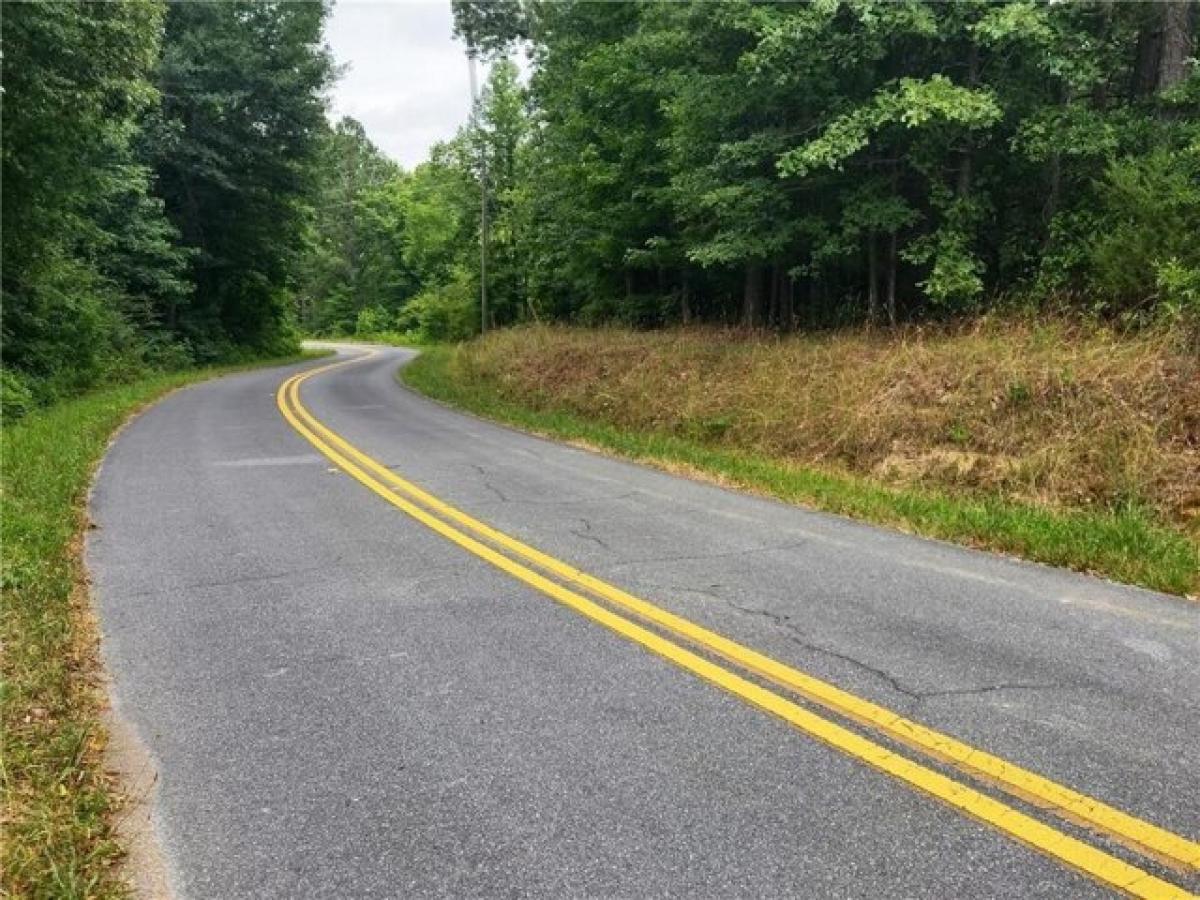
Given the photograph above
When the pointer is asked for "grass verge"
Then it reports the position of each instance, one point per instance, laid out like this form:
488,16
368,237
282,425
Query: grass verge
1126,544
58,803
383,339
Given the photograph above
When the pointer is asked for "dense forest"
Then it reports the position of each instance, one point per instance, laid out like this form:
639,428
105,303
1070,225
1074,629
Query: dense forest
157,174
784,165
173,193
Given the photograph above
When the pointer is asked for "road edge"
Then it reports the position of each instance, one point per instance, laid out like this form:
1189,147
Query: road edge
125,758
497,414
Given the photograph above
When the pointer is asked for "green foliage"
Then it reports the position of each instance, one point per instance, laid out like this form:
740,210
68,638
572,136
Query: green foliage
781,163
87,253
16,395
154,166
1146,247
910,102
241,113
489,26
352,255
449,312
371,320
1179,290
394,250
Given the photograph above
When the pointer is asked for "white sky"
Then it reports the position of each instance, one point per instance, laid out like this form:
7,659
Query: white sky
406,77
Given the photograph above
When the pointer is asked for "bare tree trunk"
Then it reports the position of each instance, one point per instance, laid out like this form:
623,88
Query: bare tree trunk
789,304
1176,43
752,296
891,280
773,309
1054,195
964,169
872,280
685,299
1149,54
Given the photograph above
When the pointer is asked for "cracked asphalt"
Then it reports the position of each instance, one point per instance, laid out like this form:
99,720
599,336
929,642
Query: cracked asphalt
341,703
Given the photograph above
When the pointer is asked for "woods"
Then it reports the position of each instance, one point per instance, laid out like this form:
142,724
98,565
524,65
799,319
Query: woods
156,166
174,194
807,165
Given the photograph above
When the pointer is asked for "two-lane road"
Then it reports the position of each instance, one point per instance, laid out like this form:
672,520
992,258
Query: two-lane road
381,649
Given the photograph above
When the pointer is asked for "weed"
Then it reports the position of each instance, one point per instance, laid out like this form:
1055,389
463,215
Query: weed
852,423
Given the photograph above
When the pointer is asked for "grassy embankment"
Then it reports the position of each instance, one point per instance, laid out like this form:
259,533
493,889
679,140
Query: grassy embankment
1066,444
58,802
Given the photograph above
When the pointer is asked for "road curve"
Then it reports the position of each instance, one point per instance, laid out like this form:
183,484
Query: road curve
344,703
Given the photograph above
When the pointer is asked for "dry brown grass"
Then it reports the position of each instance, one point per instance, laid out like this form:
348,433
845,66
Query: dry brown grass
1060,414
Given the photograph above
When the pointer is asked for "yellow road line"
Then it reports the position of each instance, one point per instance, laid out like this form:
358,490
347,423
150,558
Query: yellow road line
1159,843
1103,867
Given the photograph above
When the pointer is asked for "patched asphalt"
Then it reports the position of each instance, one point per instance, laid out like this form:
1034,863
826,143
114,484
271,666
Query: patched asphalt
341,703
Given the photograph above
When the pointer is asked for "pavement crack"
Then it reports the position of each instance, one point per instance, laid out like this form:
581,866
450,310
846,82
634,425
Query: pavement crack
230,582
705,556
485,479
797,636
993,688
709,591
587,534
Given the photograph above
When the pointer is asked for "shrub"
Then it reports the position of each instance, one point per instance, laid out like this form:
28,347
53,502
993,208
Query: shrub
371,320
449,312
1145,251
16,397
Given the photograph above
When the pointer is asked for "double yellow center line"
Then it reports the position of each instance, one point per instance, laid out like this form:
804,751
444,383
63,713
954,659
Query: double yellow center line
565,583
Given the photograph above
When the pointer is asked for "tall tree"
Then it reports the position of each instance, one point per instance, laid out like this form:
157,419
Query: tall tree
242,114
781,164
89,260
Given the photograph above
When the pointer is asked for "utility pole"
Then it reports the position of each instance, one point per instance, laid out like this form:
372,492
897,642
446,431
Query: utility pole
483,216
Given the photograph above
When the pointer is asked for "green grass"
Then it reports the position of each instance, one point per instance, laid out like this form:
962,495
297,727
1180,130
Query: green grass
1126,545
383,338
57,818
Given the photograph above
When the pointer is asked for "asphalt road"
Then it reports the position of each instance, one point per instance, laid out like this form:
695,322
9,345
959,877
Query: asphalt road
343,703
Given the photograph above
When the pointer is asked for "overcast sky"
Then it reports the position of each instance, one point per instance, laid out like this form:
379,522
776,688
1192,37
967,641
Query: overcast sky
406,77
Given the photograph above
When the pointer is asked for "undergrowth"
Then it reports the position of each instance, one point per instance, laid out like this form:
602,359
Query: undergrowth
1070,446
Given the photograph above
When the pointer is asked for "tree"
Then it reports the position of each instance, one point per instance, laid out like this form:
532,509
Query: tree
352,258
90,265
783,164
242,114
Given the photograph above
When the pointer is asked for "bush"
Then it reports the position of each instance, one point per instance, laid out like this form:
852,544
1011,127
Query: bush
372,320
167,354
446,313
1145,252
16,397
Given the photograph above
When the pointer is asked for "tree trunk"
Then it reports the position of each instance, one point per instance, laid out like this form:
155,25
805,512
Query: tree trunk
1149,53
1176,43
789,304
891,280
685,299
773,310
1054,195
872,280
964,169
752,296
